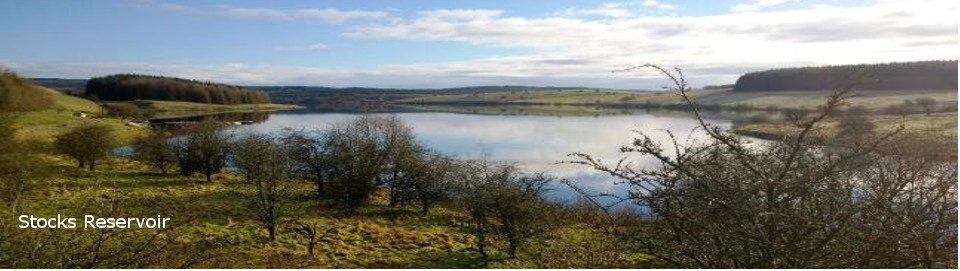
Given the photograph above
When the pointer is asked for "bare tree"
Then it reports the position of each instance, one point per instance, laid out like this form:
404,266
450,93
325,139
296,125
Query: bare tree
203,149
123,110
521,210
155,150
430,181
788,204
402,152
87,144
311,155
853,124
266,165
927,104
794,115
503,203
311,231
366,153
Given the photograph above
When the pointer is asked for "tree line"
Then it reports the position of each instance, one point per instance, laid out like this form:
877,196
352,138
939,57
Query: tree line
940,74
347,164
127,87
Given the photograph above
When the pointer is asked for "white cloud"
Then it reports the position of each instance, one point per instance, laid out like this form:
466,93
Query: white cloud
460,14
332,15
757,4
580,51
311,47
325,15
617,9
718,47
658,5
254,12
744,8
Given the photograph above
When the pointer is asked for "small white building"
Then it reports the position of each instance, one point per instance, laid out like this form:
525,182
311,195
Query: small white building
79,115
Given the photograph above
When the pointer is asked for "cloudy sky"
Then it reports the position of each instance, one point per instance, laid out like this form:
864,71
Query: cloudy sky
391,43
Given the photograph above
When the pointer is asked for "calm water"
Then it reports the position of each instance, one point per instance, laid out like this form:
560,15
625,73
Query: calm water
535,143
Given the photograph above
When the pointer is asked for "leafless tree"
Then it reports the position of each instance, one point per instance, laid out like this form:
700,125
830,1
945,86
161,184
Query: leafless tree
429,180
155,150
310,154
123,110
366,153
265,164
312,231
927,104
793,203
87,144
203,149
504,203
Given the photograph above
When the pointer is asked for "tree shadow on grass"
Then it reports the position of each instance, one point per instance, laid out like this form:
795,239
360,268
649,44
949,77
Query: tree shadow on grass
217,206
462,259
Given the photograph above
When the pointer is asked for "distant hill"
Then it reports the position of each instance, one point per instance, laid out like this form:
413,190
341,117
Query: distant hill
366,90
69,86
921,75
127,87
362,95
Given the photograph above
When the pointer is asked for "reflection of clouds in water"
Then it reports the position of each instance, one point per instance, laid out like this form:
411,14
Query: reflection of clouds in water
535,143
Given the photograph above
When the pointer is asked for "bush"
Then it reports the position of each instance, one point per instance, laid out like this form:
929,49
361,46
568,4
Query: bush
155,150
203,149
927,104
791,204
123,111
759,118
266,165
87,144
20,167
854,124
503,203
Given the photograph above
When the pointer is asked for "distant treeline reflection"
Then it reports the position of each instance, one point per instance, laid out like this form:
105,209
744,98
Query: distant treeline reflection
228,117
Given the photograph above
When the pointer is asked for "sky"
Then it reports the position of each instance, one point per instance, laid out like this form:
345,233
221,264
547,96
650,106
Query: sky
432,43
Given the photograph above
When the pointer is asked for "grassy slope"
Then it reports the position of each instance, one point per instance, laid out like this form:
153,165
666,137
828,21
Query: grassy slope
63,102
376,237
941,124
812,99
45,125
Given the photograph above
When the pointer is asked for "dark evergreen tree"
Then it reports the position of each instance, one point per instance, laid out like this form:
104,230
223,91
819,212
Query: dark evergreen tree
126,87
886,76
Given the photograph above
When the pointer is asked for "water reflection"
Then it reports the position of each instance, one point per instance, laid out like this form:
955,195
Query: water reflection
229,117
535,143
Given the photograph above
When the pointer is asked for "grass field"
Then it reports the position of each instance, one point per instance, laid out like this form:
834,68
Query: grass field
46,124
943,125
376,237
62,102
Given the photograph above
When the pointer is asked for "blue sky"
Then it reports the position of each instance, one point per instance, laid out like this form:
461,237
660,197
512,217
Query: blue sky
459,43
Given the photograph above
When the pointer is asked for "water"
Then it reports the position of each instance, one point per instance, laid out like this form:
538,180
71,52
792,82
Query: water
534,143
